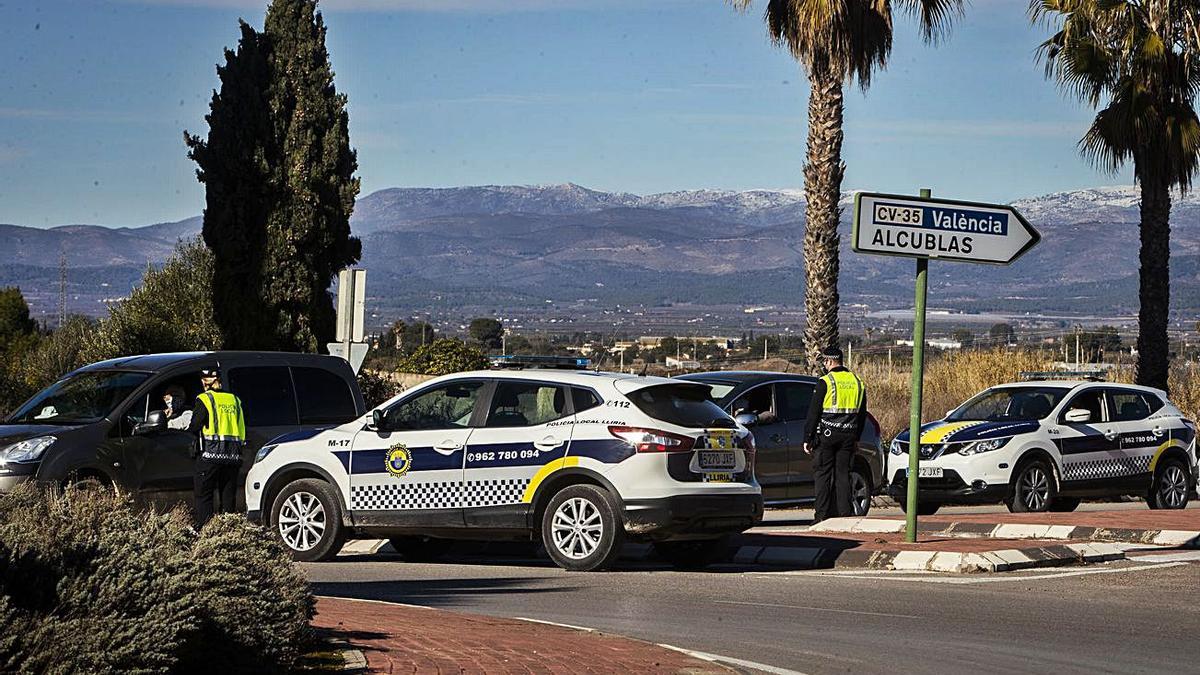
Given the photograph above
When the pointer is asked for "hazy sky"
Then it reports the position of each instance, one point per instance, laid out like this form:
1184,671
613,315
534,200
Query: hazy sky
626,95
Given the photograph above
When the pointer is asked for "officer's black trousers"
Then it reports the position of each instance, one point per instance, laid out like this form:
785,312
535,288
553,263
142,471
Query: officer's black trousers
214,489
831,471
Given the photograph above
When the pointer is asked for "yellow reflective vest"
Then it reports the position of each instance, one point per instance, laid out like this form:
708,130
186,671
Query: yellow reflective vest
844,396
224,433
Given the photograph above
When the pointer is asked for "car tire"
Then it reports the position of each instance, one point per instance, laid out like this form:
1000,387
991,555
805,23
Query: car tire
860,493
306,517
419,548
580,529
1065,504
924,508
693,554
1171,486
1033,489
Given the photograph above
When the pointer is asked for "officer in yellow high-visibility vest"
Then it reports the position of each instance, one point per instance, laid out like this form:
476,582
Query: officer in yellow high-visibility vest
221,429
835,421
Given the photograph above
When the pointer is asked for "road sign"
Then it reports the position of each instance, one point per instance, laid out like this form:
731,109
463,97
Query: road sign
358,353
351,304
920,227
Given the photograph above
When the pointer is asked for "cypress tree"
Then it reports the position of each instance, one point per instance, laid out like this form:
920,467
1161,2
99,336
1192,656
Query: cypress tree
279,176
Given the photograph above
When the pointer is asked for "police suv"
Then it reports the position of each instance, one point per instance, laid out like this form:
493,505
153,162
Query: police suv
580,460
1044,445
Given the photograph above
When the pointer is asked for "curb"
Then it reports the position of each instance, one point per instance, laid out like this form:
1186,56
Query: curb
929,561
1173,538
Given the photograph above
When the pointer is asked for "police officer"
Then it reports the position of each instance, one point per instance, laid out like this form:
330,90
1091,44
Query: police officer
217,421
835,422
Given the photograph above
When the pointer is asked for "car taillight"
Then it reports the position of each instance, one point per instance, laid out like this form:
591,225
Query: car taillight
653,440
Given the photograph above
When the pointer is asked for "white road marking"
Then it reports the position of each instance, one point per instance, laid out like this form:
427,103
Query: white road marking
938,579
817,609
1187,556
752,665
585,629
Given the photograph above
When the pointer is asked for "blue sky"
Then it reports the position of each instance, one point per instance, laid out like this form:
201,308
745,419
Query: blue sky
611,94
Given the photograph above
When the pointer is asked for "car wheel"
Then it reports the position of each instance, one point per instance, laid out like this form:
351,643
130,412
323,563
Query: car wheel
1170,487
307,517
1065,504
419,548
860,493
1033,490
581,530
695,554
923,508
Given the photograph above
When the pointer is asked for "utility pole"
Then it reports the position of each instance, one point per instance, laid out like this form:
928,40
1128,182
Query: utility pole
850,354
62,288
764,348
1078,329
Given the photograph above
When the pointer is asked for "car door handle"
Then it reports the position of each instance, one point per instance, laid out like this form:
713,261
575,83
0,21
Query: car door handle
448,447
776,438
1110,434
548,443
1159,431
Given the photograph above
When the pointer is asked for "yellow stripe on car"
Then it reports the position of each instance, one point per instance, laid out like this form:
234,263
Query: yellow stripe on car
543,473
940,433
1173,443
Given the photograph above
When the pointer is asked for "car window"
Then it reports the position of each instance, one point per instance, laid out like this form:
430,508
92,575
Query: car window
80,398
1128,406
1091,401
325,398
685,405
448,406
584,399
793,399
525,404
757,401
268,399
182,389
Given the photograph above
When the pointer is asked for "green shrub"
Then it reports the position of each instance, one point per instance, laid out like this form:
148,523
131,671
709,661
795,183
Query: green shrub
442,357
89,584
376,387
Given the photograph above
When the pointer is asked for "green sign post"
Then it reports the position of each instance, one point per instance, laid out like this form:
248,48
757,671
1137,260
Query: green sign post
924,228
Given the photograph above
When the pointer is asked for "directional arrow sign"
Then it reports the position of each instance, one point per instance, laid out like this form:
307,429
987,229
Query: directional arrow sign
918,227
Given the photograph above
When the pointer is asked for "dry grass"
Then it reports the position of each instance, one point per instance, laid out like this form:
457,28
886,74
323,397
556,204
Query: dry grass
952,378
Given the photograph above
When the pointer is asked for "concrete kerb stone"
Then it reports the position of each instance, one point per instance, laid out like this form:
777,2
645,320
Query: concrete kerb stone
1173,538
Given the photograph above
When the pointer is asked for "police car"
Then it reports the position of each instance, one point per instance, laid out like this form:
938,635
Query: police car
579,460
1045,444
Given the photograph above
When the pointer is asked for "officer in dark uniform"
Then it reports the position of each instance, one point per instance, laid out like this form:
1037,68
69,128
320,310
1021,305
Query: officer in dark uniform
221,429
835,422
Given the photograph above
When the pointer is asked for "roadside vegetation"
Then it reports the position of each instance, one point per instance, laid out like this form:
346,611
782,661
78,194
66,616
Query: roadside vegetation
89,584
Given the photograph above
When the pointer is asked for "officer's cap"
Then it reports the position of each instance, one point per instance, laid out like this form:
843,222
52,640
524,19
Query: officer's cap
832,353
208,373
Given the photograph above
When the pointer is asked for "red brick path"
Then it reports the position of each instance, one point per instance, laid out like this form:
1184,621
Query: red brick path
401,639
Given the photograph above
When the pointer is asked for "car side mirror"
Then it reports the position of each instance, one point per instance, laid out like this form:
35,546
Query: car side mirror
746,419
155,422
1078,416
377,419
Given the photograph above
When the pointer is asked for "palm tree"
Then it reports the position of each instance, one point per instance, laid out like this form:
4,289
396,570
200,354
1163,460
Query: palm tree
836,41
1137,59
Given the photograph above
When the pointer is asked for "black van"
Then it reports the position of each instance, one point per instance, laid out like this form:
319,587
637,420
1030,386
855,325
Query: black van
104,424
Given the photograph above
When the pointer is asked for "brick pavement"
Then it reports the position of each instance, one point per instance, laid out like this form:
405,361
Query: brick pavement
405,639
1183,519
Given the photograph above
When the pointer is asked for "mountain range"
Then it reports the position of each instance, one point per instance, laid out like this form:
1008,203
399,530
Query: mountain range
506,248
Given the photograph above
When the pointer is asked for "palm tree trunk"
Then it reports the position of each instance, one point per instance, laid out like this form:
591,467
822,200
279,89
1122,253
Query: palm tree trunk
1155,294
823,172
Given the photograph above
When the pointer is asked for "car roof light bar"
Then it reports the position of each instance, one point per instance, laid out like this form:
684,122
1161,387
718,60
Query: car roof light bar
519,361
1093,375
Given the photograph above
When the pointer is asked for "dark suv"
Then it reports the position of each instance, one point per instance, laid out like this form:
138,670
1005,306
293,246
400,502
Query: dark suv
774,407
103,423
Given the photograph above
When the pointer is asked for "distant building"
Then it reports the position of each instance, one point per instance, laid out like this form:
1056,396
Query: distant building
936,343
682,363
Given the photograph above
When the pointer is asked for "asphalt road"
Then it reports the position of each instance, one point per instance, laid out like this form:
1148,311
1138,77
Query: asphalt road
1122,617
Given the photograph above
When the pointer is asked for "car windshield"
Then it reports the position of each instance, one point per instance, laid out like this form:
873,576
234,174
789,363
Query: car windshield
1009,403
79,399
717,389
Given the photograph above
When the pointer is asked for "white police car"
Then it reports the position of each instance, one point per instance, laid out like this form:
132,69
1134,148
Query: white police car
1045,445
582,460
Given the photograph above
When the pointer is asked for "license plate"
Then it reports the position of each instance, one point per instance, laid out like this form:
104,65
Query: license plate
717,459
718,478
928,472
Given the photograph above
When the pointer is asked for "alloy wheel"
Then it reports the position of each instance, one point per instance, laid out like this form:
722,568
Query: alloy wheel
1173,488
860,494
577,528
302,521
1035,488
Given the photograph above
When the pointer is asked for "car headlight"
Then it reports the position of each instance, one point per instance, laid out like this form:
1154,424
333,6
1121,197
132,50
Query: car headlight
263,452
28,450
898,447
982,446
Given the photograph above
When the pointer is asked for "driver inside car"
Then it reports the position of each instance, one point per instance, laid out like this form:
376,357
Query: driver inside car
179,416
